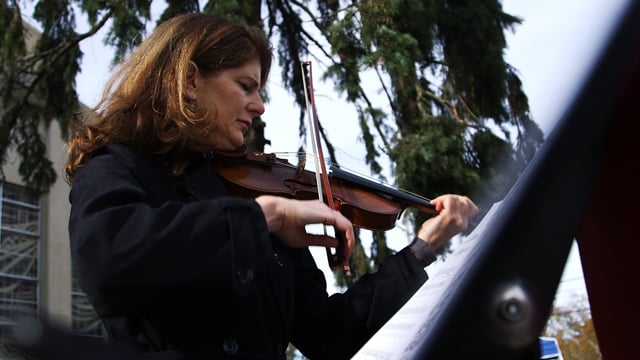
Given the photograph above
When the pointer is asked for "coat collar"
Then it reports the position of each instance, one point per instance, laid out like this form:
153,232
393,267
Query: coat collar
203,183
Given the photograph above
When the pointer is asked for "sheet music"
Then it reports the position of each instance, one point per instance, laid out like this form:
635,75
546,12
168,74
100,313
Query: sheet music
400,336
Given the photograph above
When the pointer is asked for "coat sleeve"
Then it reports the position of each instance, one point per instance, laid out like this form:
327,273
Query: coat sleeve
131,244
337,326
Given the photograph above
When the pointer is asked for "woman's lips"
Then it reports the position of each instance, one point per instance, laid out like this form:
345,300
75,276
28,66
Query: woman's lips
247,124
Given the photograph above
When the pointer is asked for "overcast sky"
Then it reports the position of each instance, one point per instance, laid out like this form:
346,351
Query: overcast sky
554,49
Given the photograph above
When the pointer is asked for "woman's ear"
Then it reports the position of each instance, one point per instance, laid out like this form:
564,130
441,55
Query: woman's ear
191,83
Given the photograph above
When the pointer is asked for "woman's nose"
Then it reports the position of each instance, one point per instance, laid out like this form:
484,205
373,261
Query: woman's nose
256,106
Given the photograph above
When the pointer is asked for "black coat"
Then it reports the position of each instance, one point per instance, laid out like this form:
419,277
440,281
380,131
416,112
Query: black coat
182,269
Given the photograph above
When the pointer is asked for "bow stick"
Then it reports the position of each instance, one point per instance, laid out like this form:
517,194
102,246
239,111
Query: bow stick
322,178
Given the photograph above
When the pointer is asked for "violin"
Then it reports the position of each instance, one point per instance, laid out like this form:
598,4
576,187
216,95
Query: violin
368,204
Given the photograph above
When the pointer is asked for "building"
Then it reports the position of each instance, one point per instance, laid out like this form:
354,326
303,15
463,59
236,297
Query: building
35,265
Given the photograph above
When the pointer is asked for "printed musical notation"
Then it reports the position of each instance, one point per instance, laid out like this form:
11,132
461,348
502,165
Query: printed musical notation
405,331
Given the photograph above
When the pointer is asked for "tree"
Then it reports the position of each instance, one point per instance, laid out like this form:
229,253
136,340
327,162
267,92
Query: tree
573,326
455,116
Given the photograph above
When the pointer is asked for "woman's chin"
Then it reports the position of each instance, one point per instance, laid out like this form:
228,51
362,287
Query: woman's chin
228,148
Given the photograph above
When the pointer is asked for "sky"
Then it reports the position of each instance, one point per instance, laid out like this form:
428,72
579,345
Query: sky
552,50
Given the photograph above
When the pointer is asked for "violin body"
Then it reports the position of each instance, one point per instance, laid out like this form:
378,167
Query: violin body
367,204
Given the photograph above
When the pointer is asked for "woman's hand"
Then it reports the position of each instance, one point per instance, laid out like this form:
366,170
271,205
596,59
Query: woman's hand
287,219
455,211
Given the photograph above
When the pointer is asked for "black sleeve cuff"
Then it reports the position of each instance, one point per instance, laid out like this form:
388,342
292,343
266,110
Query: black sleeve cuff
422,251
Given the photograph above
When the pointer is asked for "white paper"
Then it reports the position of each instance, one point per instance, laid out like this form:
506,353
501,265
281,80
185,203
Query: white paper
398,338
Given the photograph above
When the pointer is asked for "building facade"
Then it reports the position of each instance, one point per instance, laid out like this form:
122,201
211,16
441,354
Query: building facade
35,265
36,276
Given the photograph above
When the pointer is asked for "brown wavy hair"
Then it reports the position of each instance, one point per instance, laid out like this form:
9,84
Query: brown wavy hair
144,103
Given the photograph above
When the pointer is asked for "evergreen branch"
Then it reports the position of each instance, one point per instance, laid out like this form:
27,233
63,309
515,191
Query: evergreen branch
61,49
44,59
318,26
451,108
376,124
65,46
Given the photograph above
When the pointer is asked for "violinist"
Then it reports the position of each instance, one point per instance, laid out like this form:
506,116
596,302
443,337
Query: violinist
177,267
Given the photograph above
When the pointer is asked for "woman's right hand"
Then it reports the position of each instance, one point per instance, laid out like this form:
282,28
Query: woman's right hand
288,218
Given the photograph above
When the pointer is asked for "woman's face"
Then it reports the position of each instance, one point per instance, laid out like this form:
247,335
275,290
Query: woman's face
232,100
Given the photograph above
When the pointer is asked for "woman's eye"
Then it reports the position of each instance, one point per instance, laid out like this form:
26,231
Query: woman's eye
245,87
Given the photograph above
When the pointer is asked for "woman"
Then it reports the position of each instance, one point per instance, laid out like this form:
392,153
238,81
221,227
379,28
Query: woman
177,267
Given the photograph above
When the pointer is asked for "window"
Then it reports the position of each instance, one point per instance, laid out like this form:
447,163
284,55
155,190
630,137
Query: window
19,253
85,321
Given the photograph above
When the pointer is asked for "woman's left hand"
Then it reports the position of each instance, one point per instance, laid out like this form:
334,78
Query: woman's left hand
454,214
